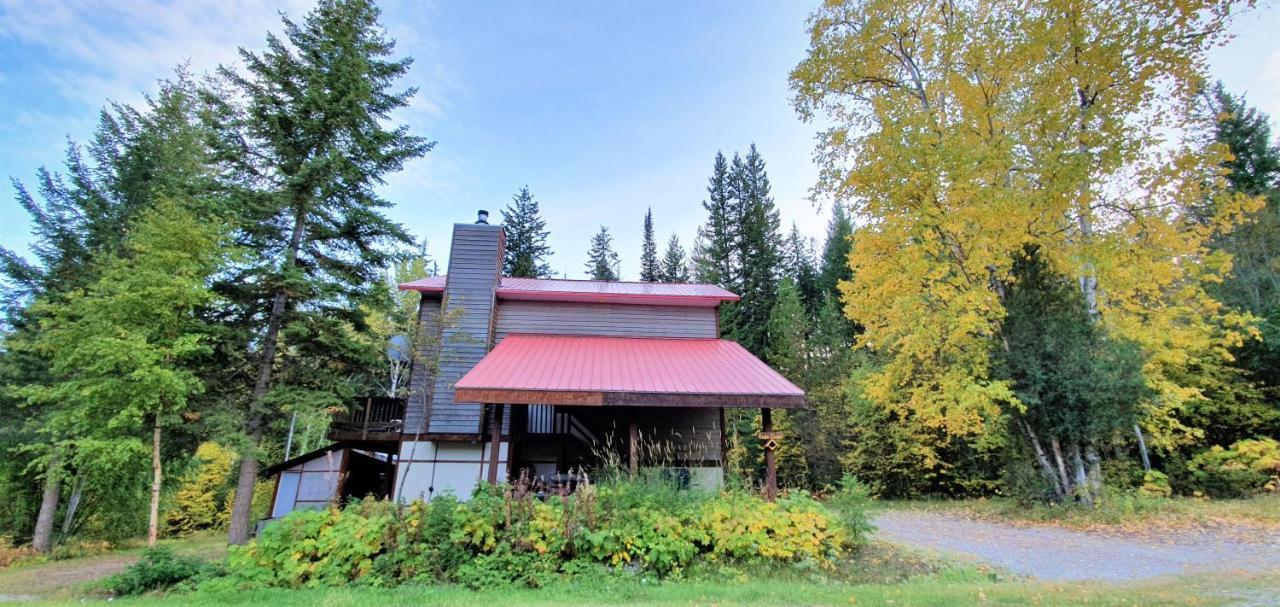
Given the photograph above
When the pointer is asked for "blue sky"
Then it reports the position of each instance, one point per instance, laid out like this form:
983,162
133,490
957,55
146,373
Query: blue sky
601,108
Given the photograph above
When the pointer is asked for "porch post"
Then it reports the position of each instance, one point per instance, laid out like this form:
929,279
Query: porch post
633,446
770,457
495,441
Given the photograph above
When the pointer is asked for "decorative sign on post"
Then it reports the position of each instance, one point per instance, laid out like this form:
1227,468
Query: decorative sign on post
770,439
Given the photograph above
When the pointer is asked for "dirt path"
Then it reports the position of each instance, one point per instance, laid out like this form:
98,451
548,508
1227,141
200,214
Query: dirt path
1052,553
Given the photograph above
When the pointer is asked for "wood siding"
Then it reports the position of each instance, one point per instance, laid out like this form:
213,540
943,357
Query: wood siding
422,377
466,333
603,319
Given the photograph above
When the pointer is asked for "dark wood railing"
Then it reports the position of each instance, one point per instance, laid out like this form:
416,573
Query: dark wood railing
371,417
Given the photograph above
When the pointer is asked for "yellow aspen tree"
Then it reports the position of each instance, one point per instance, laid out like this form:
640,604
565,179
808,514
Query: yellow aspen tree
959,133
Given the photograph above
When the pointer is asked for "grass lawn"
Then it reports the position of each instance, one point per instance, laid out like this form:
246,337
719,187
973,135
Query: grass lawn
67,577
1121,511
947,589
881,574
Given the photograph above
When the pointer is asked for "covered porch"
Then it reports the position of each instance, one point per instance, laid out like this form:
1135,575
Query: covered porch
564,404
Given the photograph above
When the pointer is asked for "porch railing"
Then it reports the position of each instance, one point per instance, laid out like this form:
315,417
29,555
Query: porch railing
371,415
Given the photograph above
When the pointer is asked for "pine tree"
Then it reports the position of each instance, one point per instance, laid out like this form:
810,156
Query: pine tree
674,267
835,252
602,261
798,263
305,150
719,237
527,249
1254,283
650,270
758,250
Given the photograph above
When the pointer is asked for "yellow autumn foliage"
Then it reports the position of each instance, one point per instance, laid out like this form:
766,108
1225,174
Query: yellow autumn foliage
961,132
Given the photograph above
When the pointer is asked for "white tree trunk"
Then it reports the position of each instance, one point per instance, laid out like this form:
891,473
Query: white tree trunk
153,519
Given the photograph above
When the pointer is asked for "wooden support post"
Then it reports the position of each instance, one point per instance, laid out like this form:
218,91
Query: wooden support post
495,441
633,446
770,456
364,429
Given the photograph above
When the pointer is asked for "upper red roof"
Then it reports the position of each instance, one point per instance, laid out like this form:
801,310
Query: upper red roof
637,371
593,291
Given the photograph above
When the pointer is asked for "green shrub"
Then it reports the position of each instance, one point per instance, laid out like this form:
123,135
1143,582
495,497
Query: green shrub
1156,484
159,569
851,503
506,535
311,548
1249,466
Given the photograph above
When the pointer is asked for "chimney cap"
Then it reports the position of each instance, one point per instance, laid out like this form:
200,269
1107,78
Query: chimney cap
482,216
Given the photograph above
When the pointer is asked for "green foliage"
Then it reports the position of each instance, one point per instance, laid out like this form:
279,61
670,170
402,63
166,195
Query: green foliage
1155,483
852,503
1247,467
527,248
310,548
504,535
200,500
159,569
650,270
602,260
674,267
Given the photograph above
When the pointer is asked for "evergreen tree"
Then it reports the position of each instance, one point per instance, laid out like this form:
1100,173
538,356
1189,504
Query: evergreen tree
305,150
121,349
650,270
719,237
602,261
527,249
835,252
1254,283
674,268
758,252
1078,388
798,263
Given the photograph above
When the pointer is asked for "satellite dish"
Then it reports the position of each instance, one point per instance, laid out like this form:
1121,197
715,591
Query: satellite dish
399,349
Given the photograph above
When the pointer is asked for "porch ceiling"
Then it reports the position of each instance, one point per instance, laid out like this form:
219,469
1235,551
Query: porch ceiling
625,371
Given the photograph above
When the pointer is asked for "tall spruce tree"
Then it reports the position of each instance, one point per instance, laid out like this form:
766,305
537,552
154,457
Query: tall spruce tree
1254,283
650,270
527,248
719,237
602,260
758,250
797,262
675,269
835,252
304,141
136,157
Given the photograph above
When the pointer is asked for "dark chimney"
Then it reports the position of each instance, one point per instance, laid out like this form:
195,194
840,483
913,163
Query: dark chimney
482,217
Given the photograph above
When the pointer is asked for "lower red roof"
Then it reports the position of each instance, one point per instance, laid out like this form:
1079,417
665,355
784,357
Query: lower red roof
632,371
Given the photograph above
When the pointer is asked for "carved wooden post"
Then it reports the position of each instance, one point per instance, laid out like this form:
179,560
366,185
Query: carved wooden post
495,441
770,443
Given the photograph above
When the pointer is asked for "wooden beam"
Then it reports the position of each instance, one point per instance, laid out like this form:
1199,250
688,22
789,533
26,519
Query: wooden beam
770,457
495,441
529,397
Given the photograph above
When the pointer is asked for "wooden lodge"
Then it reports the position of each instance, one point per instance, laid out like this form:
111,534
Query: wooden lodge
542,379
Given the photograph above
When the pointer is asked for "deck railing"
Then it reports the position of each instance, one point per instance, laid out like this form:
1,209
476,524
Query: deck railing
371,416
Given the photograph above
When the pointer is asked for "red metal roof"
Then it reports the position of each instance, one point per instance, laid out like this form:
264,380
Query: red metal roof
593,291
595,370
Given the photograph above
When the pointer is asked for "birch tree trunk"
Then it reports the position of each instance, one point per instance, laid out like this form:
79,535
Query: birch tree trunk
1081,477
1142,447
153,517
42,538
1046,467
1067,487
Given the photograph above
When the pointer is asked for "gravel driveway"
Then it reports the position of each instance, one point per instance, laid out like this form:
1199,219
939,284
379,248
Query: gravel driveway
1052,553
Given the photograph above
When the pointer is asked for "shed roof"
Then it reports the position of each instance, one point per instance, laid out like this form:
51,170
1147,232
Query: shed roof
625,371
593,291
